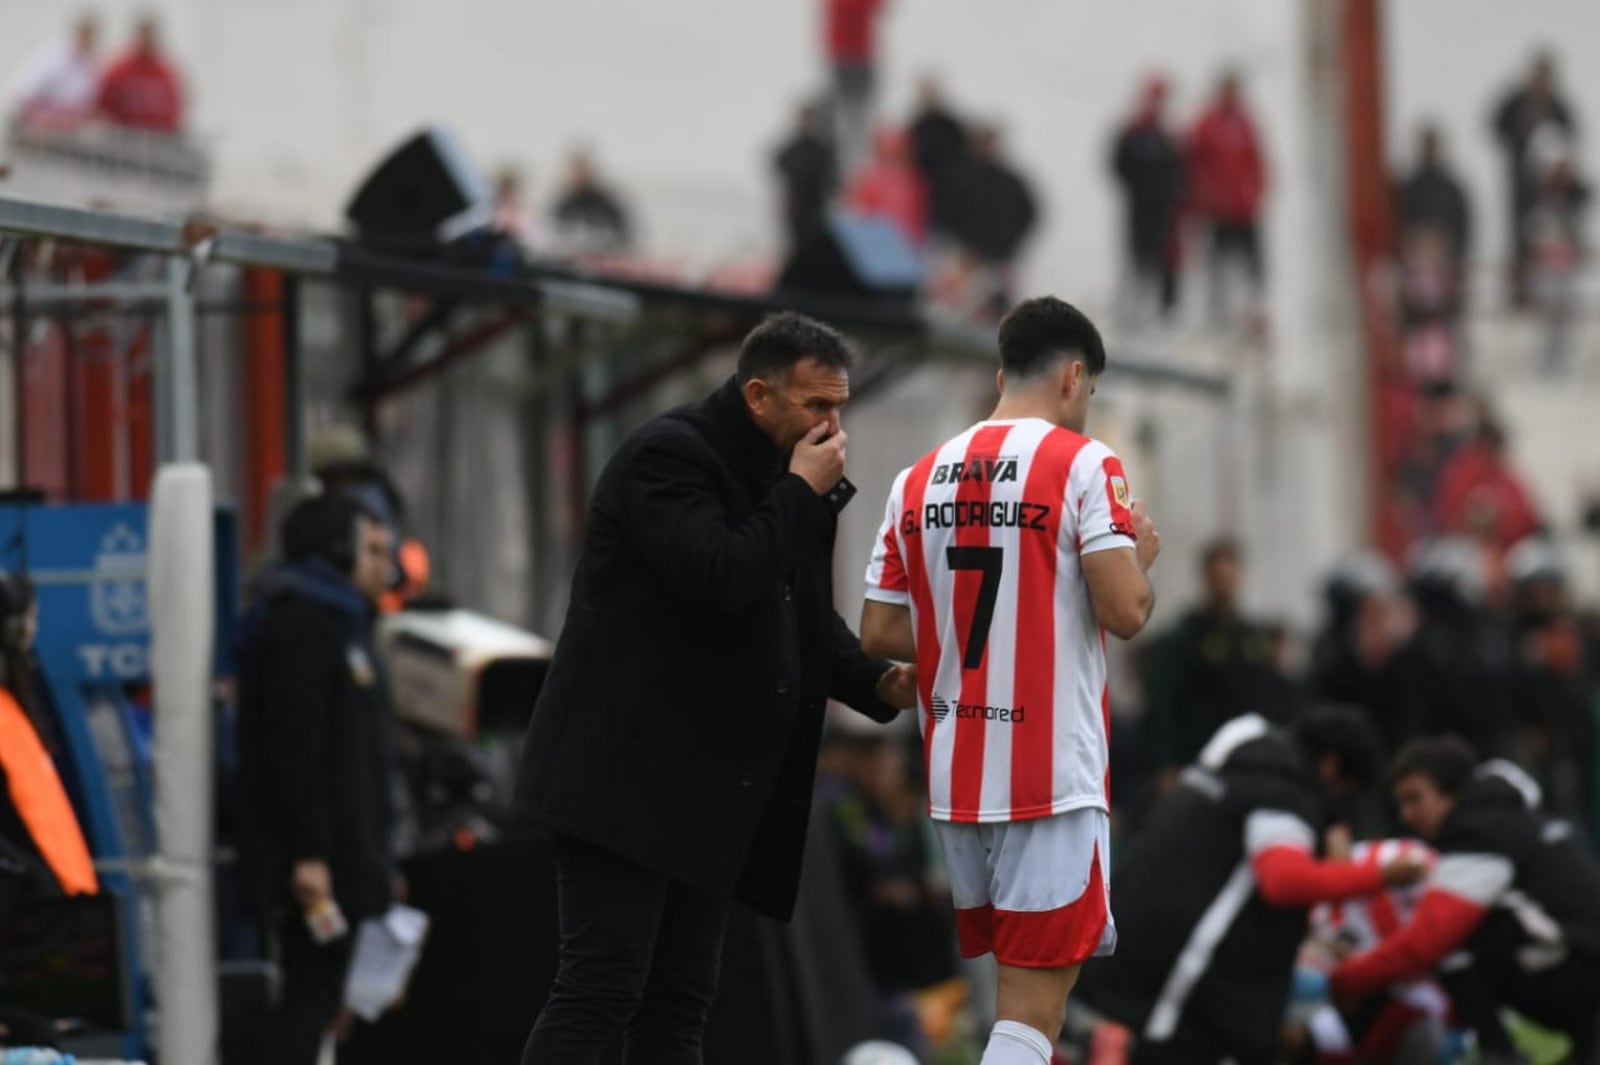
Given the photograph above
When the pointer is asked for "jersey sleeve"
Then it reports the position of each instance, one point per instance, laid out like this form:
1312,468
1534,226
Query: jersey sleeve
886,572
1100,501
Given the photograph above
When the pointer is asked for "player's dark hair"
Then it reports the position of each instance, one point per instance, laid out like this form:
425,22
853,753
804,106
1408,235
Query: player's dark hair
1348,734
325,527
785,338
1039,332
1448,761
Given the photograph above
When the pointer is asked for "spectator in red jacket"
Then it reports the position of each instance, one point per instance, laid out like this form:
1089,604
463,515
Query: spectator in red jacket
851,40
141,89
890,187
1227,179
1480,494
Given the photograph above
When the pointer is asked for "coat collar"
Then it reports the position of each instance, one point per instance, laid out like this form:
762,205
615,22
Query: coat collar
748,452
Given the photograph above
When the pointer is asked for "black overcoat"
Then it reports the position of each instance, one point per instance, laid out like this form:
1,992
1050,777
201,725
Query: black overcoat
679,723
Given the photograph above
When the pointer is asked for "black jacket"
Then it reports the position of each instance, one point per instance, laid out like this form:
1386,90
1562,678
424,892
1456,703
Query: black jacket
1188,872
1148,164
1431,197
679,723
315,742
1548,918
809,170
1209,668
939,146
994,211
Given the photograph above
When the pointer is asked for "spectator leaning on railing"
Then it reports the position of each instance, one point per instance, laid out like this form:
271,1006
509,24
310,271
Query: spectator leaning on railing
141,89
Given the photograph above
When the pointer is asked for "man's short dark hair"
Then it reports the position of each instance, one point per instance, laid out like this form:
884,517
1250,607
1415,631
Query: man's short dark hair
1042,330
1347,733
1222,549
786,338
1448,761
324,526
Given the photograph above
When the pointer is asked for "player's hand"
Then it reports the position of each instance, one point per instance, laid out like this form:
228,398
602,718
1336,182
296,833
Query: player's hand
1337,843
898,687
1404,871
819,462
311,883
1148,544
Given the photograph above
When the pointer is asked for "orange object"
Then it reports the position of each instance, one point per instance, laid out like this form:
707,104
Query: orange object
1108,1045
415,569
41,801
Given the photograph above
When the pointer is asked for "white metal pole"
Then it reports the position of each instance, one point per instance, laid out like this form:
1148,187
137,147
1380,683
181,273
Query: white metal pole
181,589
178,410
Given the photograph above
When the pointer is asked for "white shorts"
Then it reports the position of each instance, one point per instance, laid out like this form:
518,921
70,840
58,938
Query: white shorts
1035,893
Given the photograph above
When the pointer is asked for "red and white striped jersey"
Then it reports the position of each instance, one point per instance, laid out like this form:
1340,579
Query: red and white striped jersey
1366,922
981,539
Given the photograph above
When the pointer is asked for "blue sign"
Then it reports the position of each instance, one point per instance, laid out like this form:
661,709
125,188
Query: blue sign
88,564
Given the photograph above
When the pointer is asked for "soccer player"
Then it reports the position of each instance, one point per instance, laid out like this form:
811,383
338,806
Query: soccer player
1005,555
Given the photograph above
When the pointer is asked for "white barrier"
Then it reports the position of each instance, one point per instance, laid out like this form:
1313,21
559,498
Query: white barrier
182,602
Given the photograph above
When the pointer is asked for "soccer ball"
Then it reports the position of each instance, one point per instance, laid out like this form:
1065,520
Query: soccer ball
879,1052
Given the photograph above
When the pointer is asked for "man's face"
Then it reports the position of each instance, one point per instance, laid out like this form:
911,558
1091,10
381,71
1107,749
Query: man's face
87,38
1422,806
374,570
1430,148
790,405
1222,580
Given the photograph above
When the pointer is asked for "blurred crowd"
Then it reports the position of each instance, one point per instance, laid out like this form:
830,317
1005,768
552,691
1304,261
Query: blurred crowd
1444,456
1535,129
72,83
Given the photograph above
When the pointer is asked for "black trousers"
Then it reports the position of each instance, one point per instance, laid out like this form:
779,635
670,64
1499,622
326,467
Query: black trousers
312,992
639,954
1231,241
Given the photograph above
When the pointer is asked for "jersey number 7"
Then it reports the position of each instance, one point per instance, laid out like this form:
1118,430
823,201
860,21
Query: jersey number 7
990,561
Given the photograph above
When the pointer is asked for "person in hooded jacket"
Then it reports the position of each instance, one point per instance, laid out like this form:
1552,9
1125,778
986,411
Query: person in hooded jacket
315,756
1215,892
1515,894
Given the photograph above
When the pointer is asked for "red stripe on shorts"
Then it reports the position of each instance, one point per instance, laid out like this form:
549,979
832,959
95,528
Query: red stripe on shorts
1055,939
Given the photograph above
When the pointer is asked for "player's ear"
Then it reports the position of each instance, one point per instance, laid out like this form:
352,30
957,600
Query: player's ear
1071,378
1000,380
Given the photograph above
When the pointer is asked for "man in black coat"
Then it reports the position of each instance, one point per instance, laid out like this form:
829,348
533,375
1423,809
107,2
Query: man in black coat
994,213
808,169
315,756
1147,161
673,747
1519,116
939,147
1432,197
